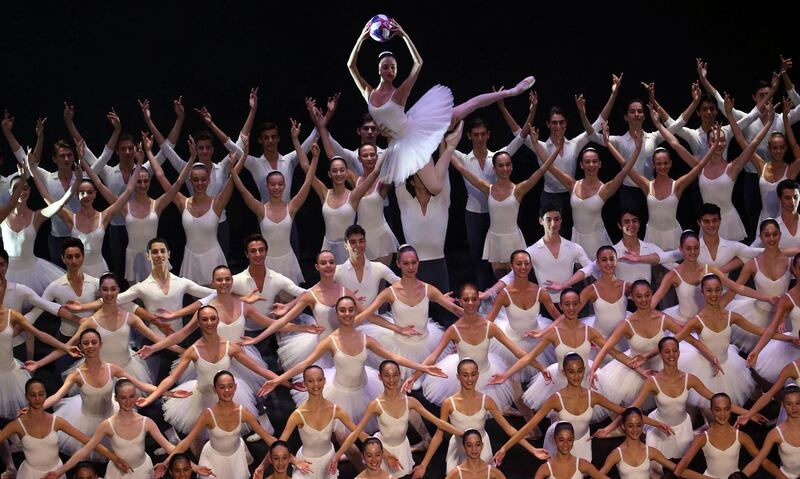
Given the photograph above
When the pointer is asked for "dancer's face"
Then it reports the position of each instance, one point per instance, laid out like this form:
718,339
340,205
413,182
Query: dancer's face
790,200
408,264
373,457
570,305
629,224
387,69
473,445
662,163
326,265
390,376
642,295
479,136
269,139
633,426
181,469
73,258
634,115
25,193
159,254
281,458
199,179
205,150
707,111
124,150
357,243
368,132
127,397
770,236
590,163
564,441
338,172
89,473
222,281
36,395
346,312
469,300
468,375
109,289
557,125
276,185
690,248
142,182
712,291
208,320
574,372
721,410
256,252
90,345
64,158
791,403
225,387
368,156
607,261
670,353
777,147
314,381
86,193
761,95
551,221
521,265
503,166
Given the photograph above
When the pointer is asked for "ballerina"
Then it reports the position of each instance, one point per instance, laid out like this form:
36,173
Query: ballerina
372,452
276,216
504,236
560,465
415,134
721,444
95,379
455,410
473,467
789,372
392,410
409,299
126,422
521,321
471,335
224,455
573,397
280,458
783,436
41,453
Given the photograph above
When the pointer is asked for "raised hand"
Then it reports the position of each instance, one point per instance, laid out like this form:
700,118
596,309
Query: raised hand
69,112
498,379
408,331
651,90
534,134
39,128
177,106
252,100
580,103
30,366
533,100
702,68
615,82
606,134
786,105
145,107
397,29
295,128
204,114
147,141
113,118
696,93
267,387
8,121
145,351
786,64
498,457
654,117
192,147
333,102
408,384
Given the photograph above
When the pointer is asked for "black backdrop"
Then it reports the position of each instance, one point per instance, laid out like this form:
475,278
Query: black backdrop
103,54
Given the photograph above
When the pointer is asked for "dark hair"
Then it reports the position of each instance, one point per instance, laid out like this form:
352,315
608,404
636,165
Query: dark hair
549,207
180,456
405,249
571,357
87,331
208,306
4,254
365,118
709,209
565,291
686,235
316,260
30,382
605,247
786,185
465,287
562,425
219,375
278,443
219,267
90,466
121,384
274,173
767,222
776,134
663,341
108,275
790,389
371,441
346,297
363,145
60,144
337,158
720,396
641,282
470,432
203,135
354,229
385,54
706,98
707,278
309,368
632,101
267,125
255,237
71,242
125,137
386,363
630,412
628,210
555,110
518,252
466,361
737,475
498,154
759,85
157,239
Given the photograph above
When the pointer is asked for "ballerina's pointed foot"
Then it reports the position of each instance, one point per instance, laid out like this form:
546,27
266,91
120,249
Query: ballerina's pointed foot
522,86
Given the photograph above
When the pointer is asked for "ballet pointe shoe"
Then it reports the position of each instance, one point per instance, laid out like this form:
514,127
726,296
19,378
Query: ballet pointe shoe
522,86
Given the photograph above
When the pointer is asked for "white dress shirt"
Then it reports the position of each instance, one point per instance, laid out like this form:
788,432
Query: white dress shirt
549,268
425,232
61,291
370,283
630,272
274,283
698,139
260,167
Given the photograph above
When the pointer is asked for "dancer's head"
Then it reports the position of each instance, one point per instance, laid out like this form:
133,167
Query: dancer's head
467,371
407,260
346,310
557,121
63,155
629,222
632,422
570,302
521,263
72,253
199,176
590,161
770,233
607,259
711,288
276,184
204,145
109,287
85,470
387,67
280,456
368,155
472,440
125,394
35,393
256,248
634,113
90,342
550,218
709,218
367,130
86,193
690,245
478,133
314,380
337,170
790,398
789,196
372,452
356,240
502,164
389,373
222,279
669,350
208,318
662,161
468,297
325,263
224,385
721,408
707,110
641,293
180,466
269,136
158,251
574,368
564,435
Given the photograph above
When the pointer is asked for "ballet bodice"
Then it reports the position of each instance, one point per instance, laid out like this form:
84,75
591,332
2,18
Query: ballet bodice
642,471
7,361
277,234
672,410
477,352
115,343
316,442
325,315
777,287
337,219
522,320
417,315
642,345
41,453
464,422
721,462
390,115
141,230
579,421
96,402
232,331
582,349
503,214
662,212
18,244
130,450
607,314
350,372
225,442
716,341
201,231
206,370
393,429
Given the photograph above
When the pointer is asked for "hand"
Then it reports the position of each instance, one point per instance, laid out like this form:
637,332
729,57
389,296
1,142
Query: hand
434,371
333,102
145,351
253,297
30,366
177,106
786,105
138,154
178,393
696,93
580,103
69,113
419,472
113,118
159,470
279,309
533,100
147,141
541,454
259,472
397,29
637,361
408,384
313,329
606,134
651,90
484,295
638,138
39,128
8,121
295,129
163,327
408,331
247,341
498,457
716,367
122,465
80,149
752,359
74,351
166,314
302,466
144,402
786,64
603,432
498,379
205,471
452,138
742,419
386,133
727,104
145,107
534,333
553,286
615,82
298,386
654,116
267,387
775,80
665,428
51,475
534,134
782,327
333,467
548,378
314,150
23,411
592,378
702,68
252,100
392,461
73,306
205,115
759,418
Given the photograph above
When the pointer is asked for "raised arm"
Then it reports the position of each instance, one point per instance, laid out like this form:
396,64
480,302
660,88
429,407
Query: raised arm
673,142
736,165
352,64
794,167
686,115
608,189
525,186
174,189
302,194
684,181
481,184
616,81
252,102
561,176
401,95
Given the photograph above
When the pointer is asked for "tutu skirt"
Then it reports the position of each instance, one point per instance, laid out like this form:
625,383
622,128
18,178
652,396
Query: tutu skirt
754,312
198,266
402,452
621,384
12,383
736,382
774,357
183,413
382,242
591,241
673,446
142,471
667,240
498,247
416,133
33,272
436,390
25,471
233,466
294,348
527,344
286,265
137,266
337,248
319,465
415,348
70,409
731,227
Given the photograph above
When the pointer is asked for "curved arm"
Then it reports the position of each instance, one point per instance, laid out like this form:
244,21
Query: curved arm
107,194
323,347
506,426
20,321
736,165
616,81
7,208
53,399
169,381
525,186
169,194
179,199
697,444
549,405
783,308
481,184
379,350
496,333
372,308
136,323
751,449
619,332
787,373
364,185
224,196
444,301
608,189
401,95
436,440
746,325
100,433
667,282
204,421
250,201
352,65
305,300
302,194
448,337
64,426
355,433
684,181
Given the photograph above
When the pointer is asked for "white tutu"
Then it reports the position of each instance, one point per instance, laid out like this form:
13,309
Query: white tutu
621,384
25,471
70,409
775,356
666,240
751,310
286,265
319,465
414,348
606,330
582,447
294,348
183,413
199,266
253,379
673,446
33,272
382,242
547,358
337,248
675,312
736,382
436,390
416,134
142,471
731,227
12,383
498,247
232,466
591,241
456,454
402,452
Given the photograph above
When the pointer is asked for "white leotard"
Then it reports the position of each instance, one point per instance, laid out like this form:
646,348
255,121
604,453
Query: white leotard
587,214
41,453
719,191
140,231
504,236
642,471
317,447
455,450
131,451
790,455
93,262
336,222
721,462
203,252
770,206
663,228
575,475
381,241
607,314
280,255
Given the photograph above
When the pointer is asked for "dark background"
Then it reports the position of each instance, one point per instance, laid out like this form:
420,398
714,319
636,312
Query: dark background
102,55
99,56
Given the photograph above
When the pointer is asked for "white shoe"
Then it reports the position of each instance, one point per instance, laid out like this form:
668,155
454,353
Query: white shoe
172,436
160,452
523,86
253,438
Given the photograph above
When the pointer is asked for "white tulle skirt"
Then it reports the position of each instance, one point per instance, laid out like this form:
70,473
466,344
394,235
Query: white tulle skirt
382,242
774,357
294,348
498,247
673,446
665,239
736,382
183,413
233,466
142,471
591,241
12,383
25,471
319,465
415,348
199,266
286,265
731,227
402,452
137,266
33,272
547,358
621,384
436,390
426,124
70,409
754,312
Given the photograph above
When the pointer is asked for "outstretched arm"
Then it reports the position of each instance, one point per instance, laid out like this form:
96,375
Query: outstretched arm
352,64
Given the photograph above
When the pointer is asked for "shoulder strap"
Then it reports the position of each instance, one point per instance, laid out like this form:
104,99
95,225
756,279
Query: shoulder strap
558,335
22,424
458,468
240,413
780,433
488,325
455,327
505,290
144,422
333,416
678,275
213,417
560,399
53,424
381,405
651,193
791,299
672,189
663,317
483,401
657,386
729,323
701,320
301,416
796,368
391,288
619,450
227,346
453,403
111,425
333,340
686,381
